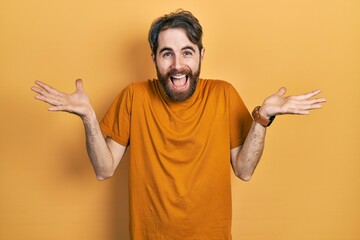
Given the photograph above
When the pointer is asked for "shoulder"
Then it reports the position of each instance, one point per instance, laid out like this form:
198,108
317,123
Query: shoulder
217,85
136,88
143,90
144,85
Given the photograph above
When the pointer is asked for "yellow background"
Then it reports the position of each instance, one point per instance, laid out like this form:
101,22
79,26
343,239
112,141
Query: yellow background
307,185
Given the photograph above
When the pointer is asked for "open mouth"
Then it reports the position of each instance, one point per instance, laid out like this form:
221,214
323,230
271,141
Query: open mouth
179,81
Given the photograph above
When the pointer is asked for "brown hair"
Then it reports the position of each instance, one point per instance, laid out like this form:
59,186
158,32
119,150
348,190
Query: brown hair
179,19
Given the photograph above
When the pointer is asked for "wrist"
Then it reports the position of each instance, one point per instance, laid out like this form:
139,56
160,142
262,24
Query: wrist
264,113
260,116
89,116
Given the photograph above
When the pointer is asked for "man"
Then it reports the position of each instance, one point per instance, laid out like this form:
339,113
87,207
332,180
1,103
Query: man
184,134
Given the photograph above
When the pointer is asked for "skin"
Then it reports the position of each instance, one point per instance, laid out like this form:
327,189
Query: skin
175,53
245,158
104,153
176,61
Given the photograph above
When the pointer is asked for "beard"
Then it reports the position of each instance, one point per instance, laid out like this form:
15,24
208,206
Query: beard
176,95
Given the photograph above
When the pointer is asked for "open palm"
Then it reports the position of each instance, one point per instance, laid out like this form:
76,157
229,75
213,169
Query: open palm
77,103
300,104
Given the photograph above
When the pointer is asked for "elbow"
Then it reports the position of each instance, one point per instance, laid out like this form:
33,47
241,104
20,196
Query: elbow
244,171
103,176
246,177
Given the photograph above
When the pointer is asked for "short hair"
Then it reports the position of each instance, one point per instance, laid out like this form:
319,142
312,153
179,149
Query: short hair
179,19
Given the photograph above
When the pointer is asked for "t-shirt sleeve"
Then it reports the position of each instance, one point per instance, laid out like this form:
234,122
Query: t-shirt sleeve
116,122
240,119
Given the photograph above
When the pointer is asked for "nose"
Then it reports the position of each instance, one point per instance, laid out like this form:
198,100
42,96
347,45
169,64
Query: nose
178,62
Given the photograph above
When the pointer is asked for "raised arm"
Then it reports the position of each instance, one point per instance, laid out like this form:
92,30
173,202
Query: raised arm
105,154
245,158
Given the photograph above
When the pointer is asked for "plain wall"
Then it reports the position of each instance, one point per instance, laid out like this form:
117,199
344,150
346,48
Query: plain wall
306,186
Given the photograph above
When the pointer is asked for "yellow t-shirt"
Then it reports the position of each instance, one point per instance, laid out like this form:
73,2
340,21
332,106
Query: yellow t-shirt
180,186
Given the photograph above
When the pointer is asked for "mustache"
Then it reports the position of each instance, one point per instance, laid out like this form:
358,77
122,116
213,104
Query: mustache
184,71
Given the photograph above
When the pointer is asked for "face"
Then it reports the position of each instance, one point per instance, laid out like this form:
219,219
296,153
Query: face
178,63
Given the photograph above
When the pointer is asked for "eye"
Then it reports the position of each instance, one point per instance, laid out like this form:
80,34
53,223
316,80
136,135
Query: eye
167,54
188,53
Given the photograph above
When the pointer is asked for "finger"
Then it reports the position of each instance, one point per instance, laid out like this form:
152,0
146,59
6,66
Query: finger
310,106
47,97
317,100
43,92
61,108
57,108
281,91
307,95
301,112
315,106
79,85
48,88
303,108
298,110
50,100
37,90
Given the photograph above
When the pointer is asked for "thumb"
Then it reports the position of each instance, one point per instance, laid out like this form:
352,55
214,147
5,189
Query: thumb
79,85
281,91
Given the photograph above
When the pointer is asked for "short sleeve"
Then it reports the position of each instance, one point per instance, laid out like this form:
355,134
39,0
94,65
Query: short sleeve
240,119
116,122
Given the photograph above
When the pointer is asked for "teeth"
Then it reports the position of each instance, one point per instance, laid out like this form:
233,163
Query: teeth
179,81
178,76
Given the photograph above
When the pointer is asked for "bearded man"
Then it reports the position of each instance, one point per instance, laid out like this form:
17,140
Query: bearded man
185,135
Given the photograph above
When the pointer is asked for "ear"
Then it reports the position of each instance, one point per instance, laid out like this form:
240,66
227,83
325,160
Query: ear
153,57
202,54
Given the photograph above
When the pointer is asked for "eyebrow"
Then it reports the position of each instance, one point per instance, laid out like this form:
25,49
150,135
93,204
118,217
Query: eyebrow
170,49
188,48
165,49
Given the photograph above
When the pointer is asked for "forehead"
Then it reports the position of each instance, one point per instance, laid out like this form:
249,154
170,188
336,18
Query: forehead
174,38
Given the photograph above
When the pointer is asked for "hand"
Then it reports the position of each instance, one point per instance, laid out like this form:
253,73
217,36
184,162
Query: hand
77,103
300,104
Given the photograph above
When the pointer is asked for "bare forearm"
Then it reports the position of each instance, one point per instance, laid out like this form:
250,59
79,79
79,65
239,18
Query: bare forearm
245,159
98,151
78,103
249,155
